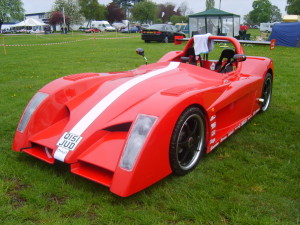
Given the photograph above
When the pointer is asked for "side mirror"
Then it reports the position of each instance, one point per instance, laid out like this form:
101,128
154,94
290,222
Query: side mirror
239,57
141,52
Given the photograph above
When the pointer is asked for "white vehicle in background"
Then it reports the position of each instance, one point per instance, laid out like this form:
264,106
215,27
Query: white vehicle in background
266,27
102,25
119,26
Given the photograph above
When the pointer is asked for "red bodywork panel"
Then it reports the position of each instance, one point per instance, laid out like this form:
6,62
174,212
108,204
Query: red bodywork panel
85,120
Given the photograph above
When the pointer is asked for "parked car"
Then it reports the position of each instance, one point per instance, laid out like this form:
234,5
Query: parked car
132,29
119,26
82,28
5,31
103,25
161,32
145,26
128,130
92,30
36,31
266,27
23,31
183,27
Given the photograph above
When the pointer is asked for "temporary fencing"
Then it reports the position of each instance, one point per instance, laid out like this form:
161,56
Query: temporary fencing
63,42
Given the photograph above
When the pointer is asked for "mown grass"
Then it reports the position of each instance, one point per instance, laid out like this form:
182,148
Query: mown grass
252,178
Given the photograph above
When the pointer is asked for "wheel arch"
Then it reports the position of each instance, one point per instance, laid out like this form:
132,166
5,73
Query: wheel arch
148,169
270,71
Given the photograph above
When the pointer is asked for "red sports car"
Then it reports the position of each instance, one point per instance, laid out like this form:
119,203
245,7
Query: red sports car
128,130
92,30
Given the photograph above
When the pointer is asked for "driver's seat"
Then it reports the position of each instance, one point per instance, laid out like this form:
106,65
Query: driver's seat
227,67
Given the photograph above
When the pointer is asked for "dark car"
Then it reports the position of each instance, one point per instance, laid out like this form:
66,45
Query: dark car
132,29
160,32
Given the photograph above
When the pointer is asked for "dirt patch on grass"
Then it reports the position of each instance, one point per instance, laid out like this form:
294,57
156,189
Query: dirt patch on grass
16,199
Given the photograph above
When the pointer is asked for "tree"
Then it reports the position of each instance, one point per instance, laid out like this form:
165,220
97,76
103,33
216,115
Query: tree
71,8
127,4
92,10
101,12
114,12
276,15
293,7
56,17
247,20
262,11
183,8
210,4
144,11
9,10
166,11
179,19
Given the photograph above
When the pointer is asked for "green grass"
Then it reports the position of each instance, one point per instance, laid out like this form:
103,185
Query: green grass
251,178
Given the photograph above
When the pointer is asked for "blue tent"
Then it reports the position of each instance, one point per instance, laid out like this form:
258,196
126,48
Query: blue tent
286,34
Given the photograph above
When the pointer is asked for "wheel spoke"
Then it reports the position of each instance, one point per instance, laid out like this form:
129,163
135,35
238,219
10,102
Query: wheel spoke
195,129
185,153
191,127
183,144
188,129
188,142
197,140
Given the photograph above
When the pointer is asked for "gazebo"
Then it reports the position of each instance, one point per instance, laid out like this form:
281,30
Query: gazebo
214,21
31,23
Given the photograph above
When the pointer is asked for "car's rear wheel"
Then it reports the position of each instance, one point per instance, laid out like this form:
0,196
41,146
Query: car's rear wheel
166,39
146,41
188,141
266,92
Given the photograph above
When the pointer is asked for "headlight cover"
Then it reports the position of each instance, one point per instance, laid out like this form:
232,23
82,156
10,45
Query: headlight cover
136,140
31,107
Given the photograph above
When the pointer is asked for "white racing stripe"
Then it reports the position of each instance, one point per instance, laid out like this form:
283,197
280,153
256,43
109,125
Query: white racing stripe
103,104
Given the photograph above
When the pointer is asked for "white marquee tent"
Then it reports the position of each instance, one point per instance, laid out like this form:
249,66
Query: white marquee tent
30,22
30,25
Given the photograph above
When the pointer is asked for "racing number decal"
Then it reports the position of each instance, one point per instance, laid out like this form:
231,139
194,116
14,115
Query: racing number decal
69,141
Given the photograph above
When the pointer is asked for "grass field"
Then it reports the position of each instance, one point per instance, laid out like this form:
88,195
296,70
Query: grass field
251,178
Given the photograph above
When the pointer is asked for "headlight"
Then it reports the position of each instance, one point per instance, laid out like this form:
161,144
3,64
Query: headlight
31,107
136,140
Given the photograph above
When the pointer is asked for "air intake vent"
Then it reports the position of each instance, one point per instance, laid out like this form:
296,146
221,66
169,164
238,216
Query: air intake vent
92,172
80,76
123,127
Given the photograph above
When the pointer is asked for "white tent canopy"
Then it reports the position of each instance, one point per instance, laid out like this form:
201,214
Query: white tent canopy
30,22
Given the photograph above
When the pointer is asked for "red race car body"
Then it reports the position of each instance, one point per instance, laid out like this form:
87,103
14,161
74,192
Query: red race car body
127,130
92,30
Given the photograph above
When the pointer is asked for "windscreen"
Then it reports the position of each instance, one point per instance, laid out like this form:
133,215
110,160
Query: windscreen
157,27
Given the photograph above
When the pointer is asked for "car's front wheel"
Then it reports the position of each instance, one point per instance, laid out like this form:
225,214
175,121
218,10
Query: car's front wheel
266,92
188,141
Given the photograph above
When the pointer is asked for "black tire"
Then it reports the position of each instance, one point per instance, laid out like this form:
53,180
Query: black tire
146,41
166,39
188,141
266,92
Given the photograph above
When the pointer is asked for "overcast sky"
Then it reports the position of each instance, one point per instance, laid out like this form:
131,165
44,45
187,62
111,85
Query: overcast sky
240,7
